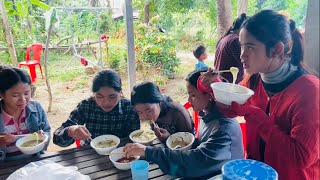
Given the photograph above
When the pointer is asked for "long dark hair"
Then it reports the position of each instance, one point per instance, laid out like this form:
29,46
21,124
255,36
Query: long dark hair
270,27
11,76
236,25
107,78
148,92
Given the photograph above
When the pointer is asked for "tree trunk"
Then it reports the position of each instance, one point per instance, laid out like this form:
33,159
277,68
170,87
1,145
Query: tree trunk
8,34
147,13
46,51
224,14
312,36
242,7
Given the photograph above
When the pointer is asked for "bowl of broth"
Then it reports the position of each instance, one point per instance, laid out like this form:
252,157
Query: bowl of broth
119,160
31,145
225,93
104,144
141,136
180,141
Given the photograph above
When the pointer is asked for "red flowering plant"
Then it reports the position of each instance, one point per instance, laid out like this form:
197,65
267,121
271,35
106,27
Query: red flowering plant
104,38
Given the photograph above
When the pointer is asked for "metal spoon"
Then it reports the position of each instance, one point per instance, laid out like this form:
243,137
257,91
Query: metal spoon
177,147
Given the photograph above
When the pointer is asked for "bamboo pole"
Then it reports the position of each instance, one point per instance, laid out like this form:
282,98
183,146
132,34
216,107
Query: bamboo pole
8,34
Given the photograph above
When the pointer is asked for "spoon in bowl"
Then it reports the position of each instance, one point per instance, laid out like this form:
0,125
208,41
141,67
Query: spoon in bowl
177,147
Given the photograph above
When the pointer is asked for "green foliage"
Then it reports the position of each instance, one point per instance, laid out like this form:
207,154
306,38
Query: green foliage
296,9
252,7
83,25
165,8
187,22
115,54
40,4
26,20
211,12
118,56
156,49
106,22
193,29
4,57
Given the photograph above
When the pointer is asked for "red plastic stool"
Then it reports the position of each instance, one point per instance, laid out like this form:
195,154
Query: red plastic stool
31,64
195,117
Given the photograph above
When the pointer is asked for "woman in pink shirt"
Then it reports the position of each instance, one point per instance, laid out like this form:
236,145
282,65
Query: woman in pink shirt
19,114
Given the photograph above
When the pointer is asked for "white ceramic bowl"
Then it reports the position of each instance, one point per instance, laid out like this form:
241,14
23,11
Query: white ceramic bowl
115,157
225,93
107,150
32,149
186,136
141,142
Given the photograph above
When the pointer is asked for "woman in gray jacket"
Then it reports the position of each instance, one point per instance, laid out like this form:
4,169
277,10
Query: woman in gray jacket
220,140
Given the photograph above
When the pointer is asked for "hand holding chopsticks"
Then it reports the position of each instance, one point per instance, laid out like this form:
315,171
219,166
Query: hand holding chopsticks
79,132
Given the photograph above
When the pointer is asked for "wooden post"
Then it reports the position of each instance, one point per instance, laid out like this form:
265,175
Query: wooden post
130,44
146,13
8,34
312,36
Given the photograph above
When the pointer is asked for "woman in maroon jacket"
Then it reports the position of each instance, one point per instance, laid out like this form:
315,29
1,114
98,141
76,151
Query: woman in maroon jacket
228,50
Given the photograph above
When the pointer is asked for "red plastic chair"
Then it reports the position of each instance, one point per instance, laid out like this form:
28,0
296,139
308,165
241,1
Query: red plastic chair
195,117
31,64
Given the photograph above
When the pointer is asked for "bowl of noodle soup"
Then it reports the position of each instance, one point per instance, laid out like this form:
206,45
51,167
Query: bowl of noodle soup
104,144
30,145
182,139
141,136
119,160
225,93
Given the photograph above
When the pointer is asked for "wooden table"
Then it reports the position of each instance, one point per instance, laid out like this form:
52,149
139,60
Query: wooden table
88,161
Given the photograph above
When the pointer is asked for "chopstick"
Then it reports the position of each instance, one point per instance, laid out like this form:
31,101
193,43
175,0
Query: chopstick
221,71
18,135
114,153
154,124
